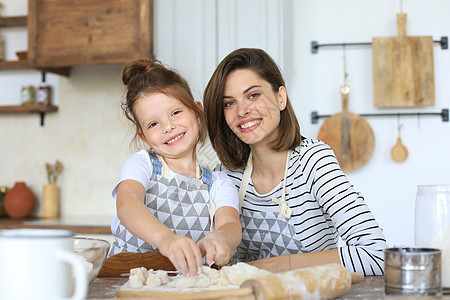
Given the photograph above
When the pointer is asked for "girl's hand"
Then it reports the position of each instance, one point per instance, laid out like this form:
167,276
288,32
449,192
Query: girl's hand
184,254
216,250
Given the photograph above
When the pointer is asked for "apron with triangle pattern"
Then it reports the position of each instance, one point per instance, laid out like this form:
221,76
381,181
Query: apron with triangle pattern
185,208
266,233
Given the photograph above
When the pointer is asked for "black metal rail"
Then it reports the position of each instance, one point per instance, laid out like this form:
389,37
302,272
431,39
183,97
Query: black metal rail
443,114
315,45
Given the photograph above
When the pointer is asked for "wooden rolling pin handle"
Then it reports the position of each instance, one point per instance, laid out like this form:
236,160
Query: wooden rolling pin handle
357,277
319,282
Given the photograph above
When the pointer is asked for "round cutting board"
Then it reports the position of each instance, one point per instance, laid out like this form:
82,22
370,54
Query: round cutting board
349,135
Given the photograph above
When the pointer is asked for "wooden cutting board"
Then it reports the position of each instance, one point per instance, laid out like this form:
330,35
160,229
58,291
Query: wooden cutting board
319,282
349,135
403,69
245,293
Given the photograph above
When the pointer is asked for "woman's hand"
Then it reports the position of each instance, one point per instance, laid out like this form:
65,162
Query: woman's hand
184,254
216,250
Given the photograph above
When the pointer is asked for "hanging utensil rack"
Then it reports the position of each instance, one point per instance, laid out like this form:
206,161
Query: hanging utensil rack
443,114
315,45
315,116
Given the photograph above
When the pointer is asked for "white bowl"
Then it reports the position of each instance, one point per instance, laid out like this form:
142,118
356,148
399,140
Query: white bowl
93,252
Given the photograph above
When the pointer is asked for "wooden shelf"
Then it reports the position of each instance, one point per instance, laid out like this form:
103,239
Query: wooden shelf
13,64
32,108
13,21
28,108
23,64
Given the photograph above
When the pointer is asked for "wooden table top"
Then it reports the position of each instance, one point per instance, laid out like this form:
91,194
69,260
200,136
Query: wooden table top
83,225
370,289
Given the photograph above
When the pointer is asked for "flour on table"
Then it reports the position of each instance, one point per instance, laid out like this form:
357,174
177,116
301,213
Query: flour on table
233,275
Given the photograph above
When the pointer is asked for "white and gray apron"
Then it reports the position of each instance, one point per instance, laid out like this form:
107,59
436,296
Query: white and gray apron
266,233
185,208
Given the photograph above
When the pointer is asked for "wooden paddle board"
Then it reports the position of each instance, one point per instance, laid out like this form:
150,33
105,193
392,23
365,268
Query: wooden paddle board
350,136
403,69
121,263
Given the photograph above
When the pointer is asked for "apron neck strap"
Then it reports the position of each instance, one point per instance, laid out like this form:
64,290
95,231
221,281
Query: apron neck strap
283,208
165,170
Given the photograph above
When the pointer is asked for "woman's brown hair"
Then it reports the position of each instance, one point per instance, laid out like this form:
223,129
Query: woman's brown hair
143,77
232,151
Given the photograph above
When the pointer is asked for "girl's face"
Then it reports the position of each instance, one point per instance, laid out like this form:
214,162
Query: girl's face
168,126
251,107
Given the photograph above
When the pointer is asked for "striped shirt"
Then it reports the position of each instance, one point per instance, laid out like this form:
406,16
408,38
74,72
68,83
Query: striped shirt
324,206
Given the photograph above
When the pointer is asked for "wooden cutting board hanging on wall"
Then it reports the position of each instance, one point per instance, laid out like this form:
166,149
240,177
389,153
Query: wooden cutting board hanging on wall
403,69
349,135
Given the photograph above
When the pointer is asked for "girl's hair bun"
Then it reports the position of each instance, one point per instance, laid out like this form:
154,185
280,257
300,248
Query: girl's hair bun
137,68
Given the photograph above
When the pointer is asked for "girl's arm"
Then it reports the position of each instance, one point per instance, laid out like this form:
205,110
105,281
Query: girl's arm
139,220
226,236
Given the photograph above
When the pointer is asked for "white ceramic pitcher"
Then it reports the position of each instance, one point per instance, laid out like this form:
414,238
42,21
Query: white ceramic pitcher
432,223
40,264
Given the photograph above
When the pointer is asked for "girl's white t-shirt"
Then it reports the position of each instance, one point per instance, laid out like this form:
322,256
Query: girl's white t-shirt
140,168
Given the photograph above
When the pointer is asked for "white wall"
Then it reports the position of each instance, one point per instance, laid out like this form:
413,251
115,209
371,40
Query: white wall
90,136
314,81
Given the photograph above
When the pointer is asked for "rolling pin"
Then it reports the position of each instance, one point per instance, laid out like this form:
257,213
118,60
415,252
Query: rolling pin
319,282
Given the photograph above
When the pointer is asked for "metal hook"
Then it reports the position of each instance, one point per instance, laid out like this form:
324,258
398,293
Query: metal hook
399,125
399,130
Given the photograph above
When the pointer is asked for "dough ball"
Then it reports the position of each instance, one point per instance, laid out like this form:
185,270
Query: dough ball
135,282
213,274
153,279
141,273
240,272
163,276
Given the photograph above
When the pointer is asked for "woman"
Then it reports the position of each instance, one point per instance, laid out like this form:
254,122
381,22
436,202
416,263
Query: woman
295,200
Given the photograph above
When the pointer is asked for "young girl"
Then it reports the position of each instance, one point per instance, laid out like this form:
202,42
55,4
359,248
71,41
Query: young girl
165,200
295,200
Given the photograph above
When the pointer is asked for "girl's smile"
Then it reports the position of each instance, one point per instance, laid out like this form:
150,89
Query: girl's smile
176,138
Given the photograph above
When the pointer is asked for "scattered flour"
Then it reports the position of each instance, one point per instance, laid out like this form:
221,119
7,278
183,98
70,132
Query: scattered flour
227,276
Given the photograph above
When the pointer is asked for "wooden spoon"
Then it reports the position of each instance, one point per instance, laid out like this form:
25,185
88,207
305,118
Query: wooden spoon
399,152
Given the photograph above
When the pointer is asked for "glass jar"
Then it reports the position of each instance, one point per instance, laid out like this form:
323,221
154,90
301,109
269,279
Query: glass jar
44,94
27,94
432,223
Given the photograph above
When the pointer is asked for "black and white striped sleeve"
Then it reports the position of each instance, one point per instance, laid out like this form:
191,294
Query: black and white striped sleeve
352,218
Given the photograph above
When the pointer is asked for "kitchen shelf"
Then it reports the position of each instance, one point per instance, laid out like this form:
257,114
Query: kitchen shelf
13,21
19,21
23,64
32,108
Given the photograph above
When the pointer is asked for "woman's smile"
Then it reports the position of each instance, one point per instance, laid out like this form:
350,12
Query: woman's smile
249,125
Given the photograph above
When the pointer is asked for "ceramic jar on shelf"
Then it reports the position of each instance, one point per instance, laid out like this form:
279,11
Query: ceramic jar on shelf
19,201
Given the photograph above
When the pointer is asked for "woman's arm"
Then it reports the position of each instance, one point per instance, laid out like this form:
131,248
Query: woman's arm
226,236
138,219
296,261
352,218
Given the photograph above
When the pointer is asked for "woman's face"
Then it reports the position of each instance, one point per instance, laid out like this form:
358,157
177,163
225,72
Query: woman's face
251,107
169,127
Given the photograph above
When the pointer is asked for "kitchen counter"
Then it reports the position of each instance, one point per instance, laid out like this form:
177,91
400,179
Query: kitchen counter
370,289
80,225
